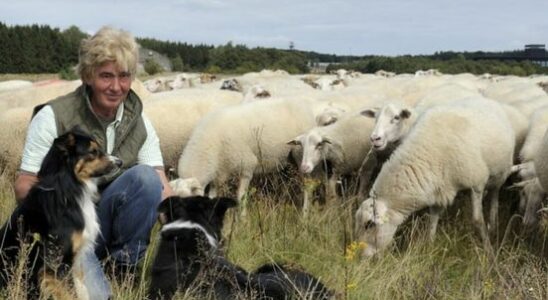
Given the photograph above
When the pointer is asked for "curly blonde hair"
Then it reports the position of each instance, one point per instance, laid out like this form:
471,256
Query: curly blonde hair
108,45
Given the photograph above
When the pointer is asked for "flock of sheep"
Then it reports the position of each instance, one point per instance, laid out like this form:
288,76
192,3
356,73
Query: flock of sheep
413,140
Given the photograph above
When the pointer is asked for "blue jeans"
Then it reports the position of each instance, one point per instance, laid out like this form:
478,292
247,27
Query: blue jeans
95,280
127,212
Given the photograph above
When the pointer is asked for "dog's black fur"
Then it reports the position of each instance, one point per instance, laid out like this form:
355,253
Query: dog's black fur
187,259
51,219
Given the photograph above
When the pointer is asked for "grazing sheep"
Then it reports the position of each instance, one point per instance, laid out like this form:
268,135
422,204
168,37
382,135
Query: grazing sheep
326,83
541,162
243,140
182,81
207,78
537,127
340,147
36,94
462,146
529,106
156,85
384,73
531,194
256,92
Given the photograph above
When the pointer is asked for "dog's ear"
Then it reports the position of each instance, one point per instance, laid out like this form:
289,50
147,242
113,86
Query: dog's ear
222,204
65,143
166,209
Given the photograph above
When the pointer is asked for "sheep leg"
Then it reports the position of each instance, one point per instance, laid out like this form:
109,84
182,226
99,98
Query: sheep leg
212,192
331,194
435,212
306,202
478,219
534,194
245,179
493,197
366,174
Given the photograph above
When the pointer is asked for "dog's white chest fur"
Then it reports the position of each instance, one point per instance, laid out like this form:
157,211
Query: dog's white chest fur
87,204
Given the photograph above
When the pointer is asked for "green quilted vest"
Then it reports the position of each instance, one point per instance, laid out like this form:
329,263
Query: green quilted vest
74,109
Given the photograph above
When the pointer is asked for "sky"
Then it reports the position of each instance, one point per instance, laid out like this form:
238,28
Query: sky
344,27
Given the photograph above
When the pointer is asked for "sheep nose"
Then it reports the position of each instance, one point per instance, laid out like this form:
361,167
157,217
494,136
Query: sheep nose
375,137
305,168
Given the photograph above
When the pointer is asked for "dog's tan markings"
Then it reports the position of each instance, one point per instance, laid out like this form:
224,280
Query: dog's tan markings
162,218
71,140
87,166
77,241
51,286
78,170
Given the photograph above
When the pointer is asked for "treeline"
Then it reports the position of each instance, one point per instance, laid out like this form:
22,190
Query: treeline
183,56
227,58
41,49
38,48
447,64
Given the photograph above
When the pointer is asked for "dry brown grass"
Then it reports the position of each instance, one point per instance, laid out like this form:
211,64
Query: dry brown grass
454,266
29,77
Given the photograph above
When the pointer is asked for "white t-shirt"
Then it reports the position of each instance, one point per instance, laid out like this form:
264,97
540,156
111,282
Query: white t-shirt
43,130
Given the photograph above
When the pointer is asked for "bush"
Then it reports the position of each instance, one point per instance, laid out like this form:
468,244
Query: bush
177,64
68,73
152,67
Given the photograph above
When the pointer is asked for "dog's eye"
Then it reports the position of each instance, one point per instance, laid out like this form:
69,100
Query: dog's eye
94,152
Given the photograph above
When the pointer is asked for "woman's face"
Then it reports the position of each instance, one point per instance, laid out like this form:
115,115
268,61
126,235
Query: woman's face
110,86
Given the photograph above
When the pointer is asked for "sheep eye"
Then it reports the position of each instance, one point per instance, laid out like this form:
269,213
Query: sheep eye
369,224
397,118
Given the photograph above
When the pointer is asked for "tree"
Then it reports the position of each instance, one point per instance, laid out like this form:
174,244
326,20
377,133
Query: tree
152,66
177,63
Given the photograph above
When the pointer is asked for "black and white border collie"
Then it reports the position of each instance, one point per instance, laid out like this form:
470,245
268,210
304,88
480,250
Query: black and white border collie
188,259
57,218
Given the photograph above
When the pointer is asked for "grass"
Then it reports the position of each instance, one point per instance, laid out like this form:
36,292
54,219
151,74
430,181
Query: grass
453,266
29,77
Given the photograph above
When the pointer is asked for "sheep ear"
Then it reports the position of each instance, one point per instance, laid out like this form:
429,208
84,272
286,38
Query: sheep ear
405,113
326,140
370,112
295,142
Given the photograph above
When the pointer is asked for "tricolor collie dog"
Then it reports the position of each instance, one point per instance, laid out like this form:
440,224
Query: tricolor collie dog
57,222
188,259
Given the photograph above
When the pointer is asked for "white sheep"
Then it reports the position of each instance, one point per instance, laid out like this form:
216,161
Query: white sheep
538,125
256,92
175,113
36,94
530,105
541,162
531,194
155,85
340,148
10,85
392,123
183,81
462,146
243,140
384,73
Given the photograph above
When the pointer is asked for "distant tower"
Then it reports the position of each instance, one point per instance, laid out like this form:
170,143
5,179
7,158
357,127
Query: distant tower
291,45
